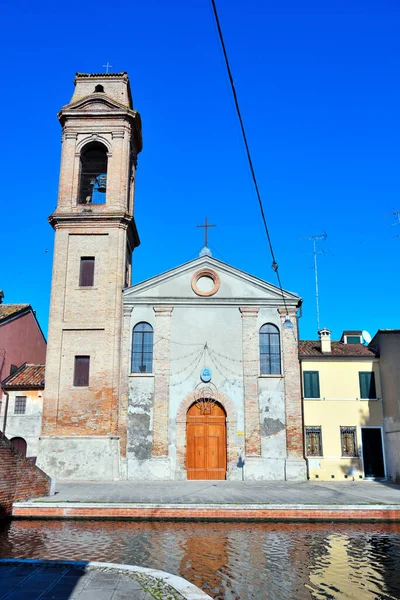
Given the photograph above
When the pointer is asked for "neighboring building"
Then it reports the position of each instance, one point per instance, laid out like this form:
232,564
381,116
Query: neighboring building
191,374
21,409
342,408
21,339
386,343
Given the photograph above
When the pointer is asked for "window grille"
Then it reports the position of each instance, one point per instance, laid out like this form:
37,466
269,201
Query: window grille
20,405
270,350
142,348
313,441
81,371
348,441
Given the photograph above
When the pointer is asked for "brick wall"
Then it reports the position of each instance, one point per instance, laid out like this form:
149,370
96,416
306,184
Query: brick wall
20,479
291,366
250,380
87,320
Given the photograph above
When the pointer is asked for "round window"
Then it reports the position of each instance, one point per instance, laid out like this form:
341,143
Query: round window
205,282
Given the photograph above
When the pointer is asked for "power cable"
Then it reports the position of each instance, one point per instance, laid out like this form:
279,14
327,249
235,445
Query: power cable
253,174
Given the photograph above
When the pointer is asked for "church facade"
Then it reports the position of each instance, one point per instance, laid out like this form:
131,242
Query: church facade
192,374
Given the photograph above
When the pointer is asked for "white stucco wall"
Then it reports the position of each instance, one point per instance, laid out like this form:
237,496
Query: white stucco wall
204,332
27,425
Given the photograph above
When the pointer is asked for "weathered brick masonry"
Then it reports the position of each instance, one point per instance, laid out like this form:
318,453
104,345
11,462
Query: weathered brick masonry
20,479
250,379
211,512
81,424
291,366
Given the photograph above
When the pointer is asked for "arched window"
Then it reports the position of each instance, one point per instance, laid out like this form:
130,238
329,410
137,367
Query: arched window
99,88
270,350
93,177
20,444
142,348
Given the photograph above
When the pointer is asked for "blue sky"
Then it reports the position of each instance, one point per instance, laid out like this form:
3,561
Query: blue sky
319,88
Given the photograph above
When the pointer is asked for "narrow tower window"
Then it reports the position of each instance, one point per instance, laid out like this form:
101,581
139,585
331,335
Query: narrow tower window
86,274
81,371
93,177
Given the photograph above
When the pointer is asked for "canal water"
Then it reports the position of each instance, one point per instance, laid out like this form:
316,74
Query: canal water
230,561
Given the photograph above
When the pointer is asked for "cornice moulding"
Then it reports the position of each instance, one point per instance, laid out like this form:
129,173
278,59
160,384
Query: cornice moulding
198,301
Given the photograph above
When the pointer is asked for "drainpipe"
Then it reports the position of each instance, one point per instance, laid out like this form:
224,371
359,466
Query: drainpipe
301,387
5,410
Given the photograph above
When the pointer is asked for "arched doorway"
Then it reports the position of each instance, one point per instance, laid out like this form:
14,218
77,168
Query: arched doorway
20,444
206,441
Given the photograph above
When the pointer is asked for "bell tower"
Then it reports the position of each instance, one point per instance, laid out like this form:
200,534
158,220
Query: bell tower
95,235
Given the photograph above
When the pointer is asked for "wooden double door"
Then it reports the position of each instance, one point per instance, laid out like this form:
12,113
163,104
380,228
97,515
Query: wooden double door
206,442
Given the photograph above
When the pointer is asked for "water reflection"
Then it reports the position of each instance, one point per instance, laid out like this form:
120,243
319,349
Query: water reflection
235,561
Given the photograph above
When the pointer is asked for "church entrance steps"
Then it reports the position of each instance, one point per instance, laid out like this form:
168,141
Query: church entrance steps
216,512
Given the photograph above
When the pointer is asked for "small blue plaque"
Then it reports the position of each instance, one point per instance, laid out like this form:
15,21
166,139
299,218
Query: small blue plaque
206,375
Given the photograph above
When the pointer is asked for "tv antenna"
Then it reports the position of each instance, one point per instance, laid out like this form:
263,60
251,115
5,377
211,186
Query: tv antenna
396,214
314,239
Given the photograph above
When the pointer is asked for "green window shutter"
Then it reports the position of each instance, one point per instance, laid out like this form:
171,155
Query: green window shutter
311,384
367,384
372,388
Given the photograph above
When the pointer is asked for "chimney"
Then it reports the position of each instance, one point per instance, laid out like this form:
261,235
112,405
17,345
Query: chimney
325,337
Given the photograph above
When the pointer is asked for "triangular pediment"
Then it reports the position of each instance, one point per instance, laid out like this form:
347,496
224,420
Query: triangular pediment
184,285
96,103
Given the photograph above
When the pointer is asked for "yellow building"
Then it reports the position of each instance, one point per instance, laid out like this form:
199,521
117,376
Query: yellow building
342,408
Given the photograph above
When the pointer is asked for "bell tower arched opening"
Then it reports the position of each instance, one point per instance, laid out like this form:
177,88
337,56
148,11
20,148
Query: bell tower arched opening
93,174
206,442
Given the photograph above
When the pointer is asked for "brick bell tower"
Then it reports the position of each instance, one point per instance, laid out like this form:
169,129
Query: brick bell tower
95,235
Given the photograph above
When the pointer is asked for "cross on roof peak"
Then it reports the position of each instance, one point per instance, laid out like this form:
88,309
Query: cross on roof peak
206,227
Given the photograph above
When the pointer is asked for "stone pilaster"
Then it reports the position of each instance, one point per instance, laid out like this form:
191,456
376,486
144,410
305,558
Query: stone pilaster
250,345
126,345
162,369
291,370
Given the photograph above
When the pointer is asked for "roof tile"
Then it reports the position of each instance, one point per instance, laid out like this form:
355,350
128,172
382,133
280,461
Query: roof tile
313,348
27,376
8,310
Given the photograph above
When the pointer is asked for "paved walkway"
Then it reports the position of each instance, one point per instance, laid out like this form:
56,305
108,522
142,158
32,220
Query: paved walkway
227,492
70,580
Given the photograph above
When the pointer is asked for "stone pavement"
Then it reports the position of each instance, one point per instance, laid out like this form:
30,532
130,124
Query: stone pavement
227,492
70,580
